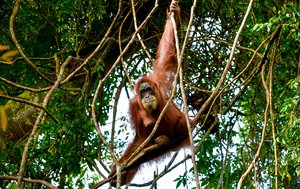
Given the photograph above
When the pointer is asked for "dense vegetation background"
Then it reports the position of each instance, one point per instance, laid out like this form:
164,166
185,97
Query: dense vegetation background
64,64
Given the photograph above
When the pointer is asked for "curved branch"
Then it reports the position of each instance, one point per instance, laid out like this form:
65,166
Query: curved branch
23,87
228,44
179,58
101,82
263,131
102,42
30,103
14,39
219,84
100,86
138,34
36,181
38,120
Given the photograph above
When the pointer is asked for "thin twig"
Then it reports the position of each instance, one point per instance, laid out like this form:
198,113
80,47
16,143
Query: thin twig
179,58
21,100
14,39
23,87
36,181
101,83
263,131
245,84
96,124
120,48
219,84
272,114
228,44
262,65
102,42
38,120
138,34
225,158
30,58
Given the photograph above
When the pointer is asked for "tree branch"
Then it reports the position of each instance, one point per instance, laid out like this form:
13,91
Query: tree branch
36,181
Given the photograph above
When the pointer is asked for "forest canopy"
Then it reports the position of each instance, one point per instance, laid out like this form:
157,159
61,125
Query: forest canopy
67,68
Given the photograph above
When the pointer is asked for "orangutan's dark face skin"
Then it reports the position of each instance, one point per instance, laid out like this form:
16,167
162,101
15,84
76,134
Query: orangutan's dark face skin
148,97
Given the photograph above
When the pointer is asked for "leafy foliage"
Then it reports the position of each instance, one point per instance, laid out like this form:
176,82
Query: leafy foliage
67,151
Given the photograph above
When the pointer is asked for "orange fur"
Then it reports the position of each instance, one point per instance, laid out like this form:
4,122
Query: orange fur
173,124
